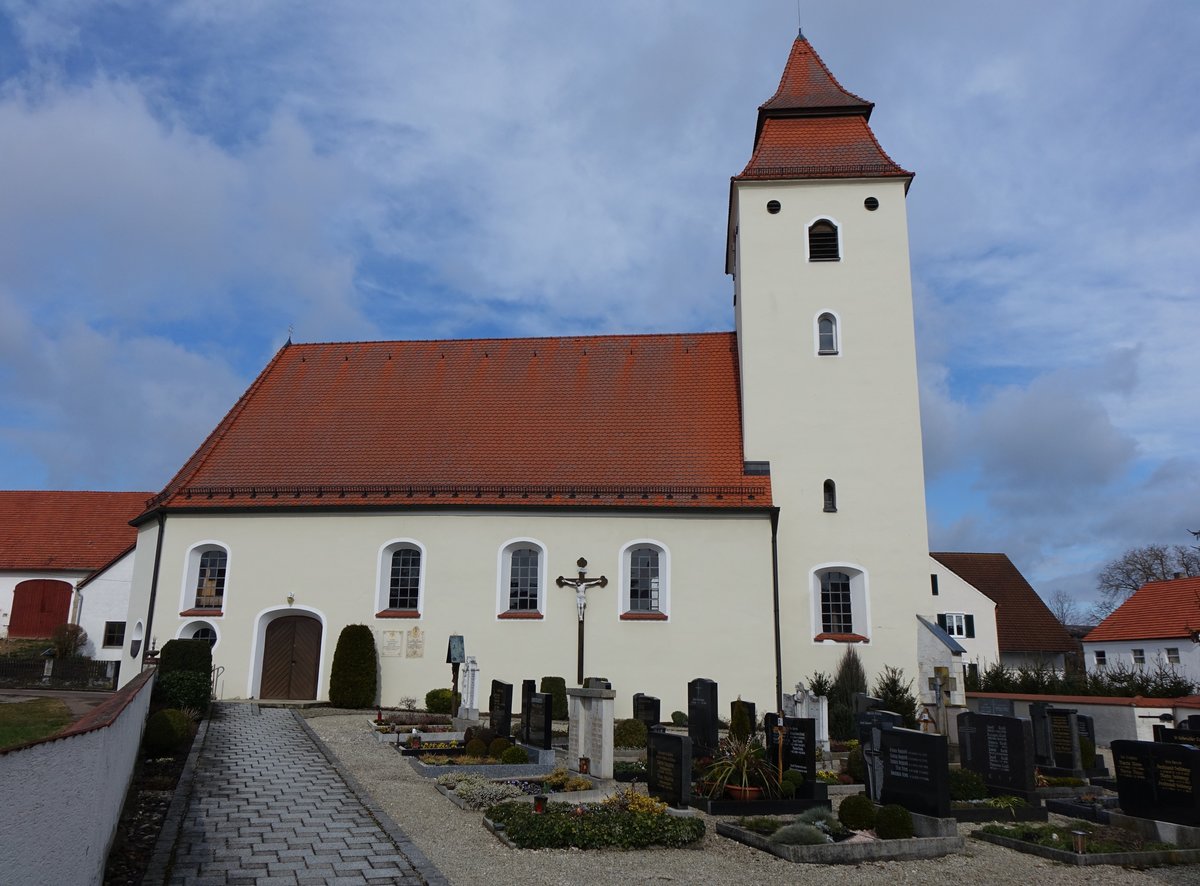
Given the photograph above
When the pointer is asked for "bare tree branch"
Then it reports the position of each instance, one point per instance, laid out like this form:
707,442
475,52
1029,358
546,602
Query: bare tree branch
1065,608
1120,578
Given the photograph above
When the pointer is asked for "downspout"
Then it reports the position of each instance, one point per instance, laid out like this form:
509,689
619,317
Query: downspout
775,594
158,545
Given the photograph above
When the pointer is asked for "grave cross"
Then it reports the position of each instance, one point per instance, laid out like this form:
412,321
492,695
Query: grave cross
581,584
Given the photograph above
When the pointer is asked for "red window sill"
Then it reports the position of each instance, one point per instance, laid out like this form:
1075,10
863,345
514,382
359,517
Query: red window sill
643,616
398,613
842,638
517,615
212,613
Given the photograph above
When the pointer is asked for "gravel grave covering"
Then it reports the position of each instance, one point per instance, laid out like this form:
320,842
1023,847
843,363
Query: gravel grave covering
457,843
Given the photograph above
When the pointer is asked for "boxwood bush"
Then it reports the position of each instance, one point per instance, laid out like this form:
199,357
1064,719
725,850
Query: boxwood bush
183,689
185,655
439,701
857,812
514,754
166,731
629,734
596,827
893,822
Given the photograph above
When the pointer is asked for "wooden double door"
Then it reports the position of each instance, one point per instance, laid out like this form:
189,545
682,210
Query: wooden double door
291,658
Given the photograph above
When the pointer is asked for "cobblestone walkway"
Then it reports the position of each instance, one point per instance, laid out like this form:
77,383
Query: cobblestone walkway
268,808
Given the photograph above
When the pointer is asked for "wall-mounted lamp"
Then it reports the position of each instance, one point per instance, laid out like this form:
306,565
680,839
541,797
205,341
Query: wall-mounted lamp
291,599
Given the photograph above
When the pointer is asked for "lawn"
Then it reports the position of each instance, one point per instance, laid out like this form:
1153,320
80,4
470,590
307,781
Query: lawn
25,721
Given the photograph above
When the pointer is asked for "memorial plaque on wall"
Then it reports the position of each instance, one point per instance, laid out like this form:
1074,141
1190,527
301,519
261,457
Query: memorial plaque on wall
702,716
1000,749
916,771
500,708
669,767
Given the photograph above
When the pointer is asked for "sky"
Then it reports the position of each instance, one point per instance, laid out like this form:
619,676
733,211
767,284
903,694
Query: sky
185,184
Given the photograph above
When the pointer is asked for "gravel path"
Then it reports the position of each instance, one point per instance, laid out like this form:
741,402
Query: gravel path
457,844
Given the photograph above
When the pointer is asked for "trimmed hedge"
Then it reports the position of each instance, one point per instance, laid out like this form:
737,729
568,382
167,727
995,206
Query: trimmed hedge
597,827
183,689
185,655
353,680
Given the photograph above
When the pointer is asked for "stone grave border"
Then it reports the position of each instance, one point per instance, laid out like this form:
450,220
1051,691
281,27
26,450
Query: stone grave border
848,853
1151,858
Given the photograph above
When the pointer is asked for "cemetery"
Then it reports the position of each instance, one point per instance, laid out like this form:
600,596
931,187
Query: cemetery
836,777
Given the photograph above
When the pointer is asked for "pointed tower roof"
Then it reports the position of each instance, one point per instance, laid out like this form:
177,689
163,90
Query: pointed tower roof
812,127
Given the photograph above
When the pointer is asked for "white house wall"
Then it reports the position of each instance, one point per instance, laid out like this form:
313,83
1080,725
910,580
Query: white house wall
720,622
1120,654
10,580
105,598
958,596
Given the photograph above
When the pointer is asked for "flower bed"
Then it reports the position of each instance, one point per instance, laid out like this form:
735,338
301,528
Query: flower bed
591,826
1003,808
1102,844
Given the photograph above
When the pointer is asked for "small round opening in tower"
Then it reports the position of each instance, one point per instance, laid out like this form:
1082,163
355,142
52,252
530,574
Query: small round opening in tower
773,206
871,203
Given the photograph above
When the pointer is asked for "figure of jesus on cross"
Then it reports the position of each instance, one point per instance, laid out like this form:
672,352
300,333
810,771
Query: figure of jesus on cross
581,584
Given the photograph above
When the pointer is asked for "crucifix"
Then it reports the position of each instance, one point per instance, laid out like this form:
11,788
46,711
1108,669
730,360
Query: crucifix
581,585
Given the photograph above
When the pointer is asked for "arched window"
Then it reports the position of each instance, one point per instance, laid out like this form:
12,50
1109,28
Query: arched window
837,611
205,580
200,630
521,592
400,591
830,497
645,581
840,604
823,241
827,334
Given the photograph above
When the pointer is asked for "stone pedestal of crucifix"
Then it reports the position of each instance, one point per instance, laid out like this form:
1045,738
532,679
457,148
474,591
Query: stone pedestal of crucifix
581,584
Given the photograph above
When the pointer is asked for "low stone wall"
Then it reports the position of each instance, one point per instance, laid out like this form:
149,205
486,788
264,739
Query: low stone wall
61,798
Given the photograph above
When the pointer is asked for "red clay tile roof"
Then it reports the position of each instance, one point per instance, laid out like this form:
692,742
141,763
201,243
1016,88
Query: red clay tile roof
622,420
813,128
1023,622
807,84
819,147
66,530
1157,610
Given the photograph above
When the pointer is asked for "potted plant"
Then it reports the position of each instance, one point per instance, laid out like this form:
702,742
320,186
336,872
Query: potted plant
741,770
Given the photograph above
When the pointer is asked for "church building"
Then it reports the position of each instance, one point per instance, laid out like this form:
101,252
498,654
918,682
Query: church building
754,499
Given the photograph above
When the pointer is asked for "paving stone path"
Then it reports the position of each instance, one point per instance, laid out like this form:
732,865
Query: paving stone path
267,807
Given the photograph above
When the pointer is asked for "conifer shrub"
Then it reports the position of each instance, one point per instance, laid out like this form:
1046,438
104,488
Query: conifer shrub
439,701
353,680
790,783
893,822
629,734
897,695
185,655
514,754
166,731
850,680
498,747
476,747
183,689
739,721
856,765
857,812
556,688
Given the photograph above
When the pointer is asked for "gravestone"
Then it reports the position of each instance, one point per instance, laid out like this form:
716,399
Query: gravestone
528,688
669,767
870,726
751,713
799,747
1090,757
596,683
469,704
864,702
1000,749
500,708
1043,744
1064,740
648,709
591,730
807,705
1176,736
702,716
1191,723
538,719
1157,780
1003,707
916,771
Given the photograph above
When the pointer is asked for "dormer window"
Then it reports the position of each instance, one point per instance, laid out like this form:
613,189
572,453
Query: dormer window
823,241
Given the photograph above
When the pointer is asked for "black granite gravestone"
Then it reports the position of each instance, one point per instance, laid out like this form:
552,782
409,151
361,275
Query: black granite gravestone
1000,749
751,713
870,724
1176,736
1039,720
669,767
1064,740
648,709
528,688
1191,722
916,771
1158,780
537,718
702,716
500,708
596,683
1003,707
799,747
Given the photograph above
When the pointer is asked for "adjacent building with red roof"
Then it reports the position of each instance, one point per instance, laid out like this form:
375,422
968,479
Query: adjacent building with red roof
753,498
54,543
1027,631
1159,625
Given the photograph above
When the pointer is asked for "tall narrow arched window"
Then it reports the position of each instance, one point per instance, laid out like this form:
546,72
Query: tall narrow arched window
823,241
404,579
837,614
830,497
827,334
523,582
210,579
